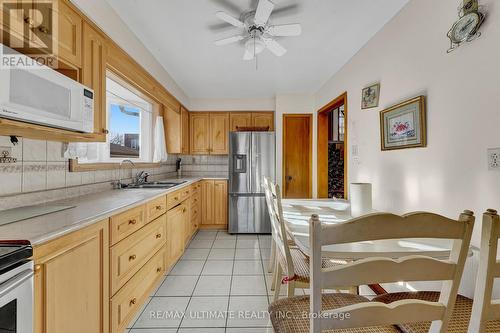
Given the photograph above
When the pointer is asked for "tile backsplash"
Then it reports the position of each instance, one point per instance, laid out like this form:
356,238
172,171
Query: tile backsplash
41,173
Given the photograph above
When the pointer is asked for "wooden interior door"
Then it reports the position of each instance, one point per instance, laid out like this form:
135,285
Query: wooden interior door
297,155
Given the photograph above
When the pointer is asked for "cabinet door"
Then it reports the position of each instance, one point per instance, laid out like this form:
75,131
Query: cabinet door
173,129
263,119
219,133
185,130
207,202
94,73
175,231
239,119
71,282
199,128
220,202
69,34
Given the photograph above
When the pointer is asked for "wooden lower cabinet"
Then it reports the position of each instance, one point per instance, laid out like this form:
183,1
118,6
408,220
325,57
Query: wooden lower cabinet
177,218
126,302
214,197
72,282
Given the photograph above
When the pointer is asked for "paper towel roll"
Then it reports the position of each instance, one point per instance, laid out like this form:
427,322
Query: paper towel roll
360,198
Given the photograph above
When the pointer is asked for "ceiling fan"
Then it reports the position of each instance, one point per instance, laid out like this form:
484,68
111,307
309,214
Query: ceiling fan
258,33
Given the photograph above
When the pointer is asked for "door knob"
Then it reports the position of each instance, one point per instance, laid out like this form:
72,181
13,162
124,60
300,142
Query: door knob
289,178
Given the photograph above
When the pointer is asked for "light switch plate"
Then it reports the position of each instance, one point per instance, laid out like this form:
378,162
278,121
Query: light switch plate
494,159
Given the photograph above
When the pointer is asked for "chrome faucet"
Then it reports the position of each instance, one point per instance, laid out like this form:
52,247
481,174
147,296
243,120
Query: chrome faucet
141,177
118,184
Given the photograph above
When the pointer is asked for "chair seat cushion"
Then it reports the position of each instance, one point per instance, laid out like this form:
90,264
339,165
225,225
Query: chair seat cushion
459,322
301,264
290,315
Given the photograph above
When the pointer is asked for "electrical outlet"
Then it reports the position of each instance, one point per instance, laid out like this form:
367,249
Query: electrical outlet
494,159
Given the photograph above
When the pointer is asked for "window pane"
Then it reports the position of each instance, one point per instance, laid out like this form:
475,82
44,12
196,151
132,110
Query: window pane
125,126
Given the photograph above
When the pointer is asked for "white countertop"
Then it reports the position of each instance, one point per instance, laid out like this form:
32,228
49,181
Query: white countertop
88,209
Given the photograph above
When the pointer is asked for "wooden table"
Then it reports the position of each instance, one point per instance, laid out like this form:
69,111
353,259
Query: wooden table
298,212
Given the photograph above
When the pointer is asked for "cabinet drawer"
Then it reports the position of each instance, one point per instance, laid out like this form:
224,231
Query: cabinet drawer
126,223
175,198
156,208
128,256
130,298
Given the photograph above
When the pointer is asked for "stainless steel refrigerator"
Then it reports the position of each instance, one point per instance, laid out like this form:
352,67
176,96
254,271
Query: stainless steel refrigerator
251,158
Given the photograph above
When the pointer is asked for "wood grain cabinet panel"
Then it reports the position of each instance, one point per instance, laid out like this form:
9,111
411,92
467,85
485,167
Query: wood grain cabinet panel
263,119
219,133
200,133
128,256
126,223
176,221
71,282
239,119
125,304
69,34
184,131
220,202
94,74
207,203
155,208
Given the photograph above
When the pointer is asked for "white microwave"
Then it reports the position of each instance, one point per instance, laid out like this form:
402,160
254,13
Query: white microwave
41,95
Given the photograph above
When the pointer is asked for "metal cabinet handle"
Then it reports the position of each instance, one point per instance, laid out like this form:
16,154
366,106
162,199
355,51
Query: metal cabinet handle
184,210
134,221
158,236
158,207
158,270
133,301
132,257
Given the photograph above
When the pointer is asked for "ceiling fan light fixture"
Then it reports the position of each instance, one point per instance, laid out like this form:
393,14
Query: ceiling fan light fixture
254,45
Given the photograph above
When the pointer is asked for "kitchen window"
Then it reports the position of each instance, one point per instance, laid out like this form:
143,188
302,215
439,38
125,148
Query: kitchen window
130,120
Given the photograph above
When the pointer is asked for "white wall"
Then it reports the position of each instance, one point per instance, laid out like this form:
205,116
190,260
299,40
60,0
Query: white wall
106,18
409,58
292,104
266,104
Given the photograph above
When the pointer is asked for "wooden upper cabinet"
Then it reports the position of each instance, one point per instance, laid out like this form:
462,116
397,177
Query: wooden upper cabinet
69,34
184,131
172,121
219,133
239,119
200,132
94,73
263,119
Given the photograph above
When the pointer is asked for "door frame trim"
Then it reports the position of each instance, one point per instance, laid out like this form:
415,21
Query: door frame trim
298,115
322,160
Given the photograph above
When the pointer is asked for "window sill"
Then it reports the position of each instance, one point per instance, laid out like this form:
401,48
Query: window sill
74,166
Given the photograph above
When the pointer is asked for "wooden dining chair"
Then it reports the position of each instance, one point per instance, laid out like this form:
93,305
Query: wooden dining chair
353,313
476,316
289,259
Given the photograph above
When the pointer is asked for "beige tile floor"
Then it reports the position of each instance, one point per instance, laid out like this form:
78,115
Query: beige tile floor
220,285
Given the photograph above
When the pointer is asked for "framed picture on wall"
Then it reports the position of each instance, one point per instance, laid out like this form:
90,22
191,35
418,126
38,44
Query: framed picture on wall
404,125
370,96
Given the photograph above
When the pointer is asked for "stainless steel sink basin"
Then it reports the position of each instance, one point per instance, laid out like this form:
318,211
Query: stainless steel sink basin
155,185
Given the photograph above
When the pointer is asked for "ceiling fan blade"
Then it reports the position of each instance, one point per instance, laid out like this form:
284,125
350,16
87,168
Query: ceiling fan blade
248,55
274,47
229,19
264,10
229,40
285,30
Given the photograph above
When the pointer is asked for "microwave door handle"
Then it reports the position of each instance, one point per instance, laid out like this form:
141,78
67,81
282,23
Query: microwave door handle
14,282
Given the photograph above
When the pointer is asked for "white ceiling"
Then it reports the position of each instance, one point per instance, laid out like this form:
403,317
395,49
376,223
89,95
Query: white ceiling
180,34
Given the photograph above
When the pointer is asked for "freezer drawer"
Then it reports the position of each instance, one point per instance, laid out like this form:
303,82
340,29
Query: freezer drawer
248,215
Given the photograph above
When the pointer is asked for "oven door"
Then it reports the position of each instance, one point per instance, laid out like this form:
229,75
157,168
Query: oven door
16,302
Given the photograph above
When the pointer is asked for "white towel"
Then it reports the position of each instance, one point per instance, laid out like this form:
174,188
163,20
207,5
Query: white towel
160,146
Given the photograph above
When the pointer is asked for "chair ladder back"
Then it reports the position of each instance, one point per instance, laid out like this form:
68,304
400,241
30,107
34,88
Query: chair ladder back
280,234
489,268
383,269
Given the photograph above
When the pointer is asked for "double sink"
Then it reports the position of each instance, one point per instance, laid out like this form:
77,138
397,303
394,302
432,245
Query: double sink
154,185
